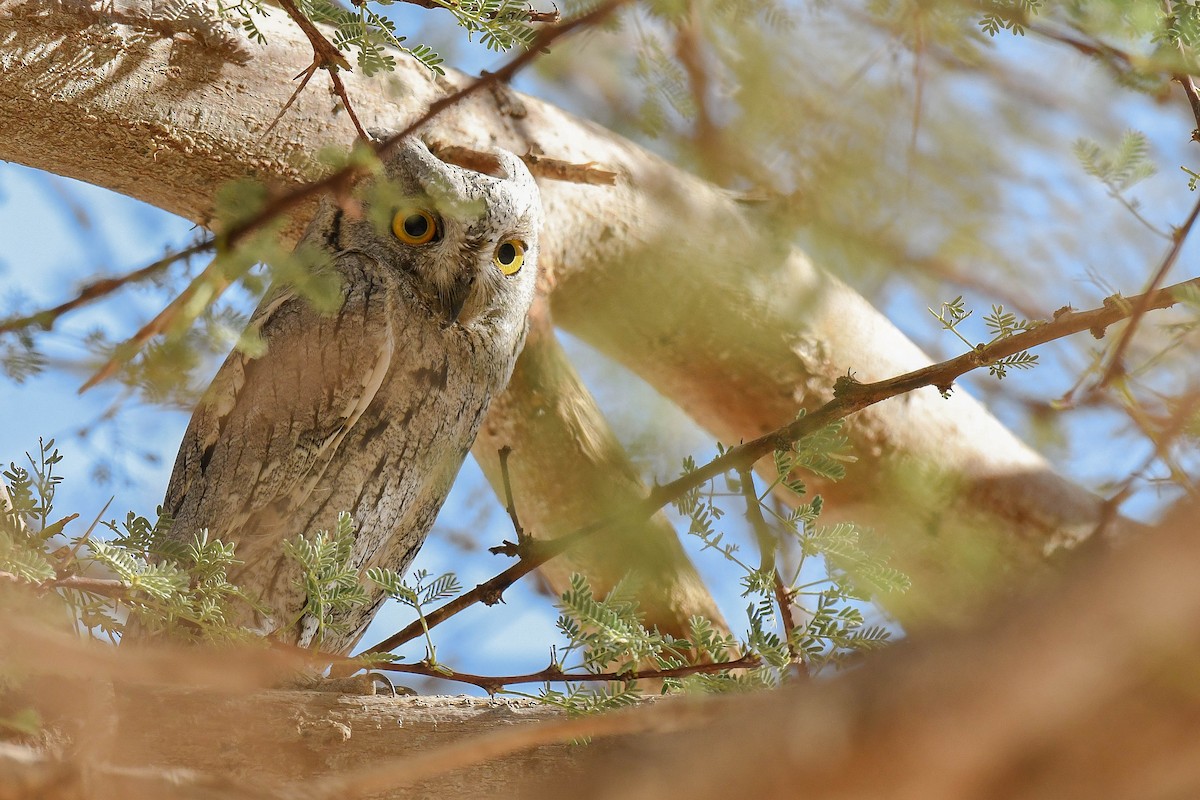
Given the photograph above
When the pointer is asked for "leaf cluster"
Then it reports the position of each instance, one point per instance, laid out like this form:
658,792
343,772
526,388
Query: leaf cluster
423,591
609,635
361,29
170,589
331,583
1008,15
1001,325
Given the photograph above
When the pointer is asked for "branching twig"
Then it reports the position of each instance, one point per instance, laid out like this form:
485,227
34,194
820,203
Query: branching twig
1142,303
505,74
554,674
126,350
849,398
325,56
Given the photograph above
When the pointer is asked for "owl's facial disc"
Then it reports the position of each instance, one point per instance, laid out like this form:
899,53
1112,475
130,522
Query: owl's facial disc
465,241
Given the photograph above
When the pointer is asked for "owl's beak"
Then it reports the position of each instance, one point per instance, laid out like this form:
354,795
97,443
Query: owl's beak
457,299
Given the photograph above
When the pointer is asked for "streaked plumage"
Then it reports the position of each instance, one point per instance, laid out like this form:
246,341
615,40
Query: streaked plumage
370,409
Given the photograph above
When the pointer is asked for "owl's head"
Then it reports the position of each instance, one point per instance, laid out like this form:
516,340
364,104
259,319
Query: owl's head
465,242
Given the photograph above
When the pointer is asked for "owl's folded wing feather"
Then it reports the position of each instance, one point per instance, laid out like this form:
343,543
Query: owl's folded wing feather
267,427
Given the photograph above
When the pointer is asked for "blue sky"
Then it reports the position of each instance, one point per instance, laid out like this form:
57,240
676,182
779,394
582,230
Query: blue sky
54,232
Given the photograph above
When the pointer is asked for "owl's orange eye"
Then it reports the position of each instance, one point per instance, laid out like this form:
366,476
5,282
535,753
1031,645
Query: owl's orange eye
509,257
415,226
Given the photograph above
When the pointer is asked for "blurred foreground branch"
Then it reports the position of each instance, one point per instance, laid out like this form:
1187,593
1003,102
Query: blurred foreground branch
1086,689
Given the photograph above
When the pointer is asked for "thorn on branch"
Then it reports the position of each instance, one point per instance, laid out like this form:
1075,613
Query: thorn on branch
845,385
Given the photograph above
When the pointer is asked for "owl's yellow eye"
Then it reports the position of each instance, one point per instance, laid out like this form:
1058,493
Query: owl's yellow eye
509,257
415,226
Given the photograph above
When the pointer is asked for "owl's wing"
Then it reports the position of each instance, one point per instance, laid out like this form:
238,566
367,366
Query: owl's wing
268,426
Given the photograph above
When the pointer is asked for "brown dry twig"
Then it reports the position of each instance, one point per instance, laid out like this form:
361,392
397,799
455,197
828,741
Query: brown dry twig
557,170
325,56
108,587
1141,304
553,673
768,545
509,505
850,397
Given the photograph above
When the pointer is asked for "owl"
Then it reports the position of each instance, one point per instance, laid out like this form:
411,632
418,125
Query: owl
372,408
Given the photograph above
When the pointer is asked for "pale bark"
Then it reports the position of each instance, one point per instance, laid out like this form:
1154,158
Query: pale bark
667,274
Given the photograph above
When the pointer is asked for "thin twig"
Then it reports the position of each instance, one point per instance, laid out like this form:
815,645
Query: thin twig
505,74
108,587
305,76
509,505
334,182
325,56
88,533
554,674
1189,89
706,137
785,599
1142,303
339,89
1185,80
339,180
210,277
